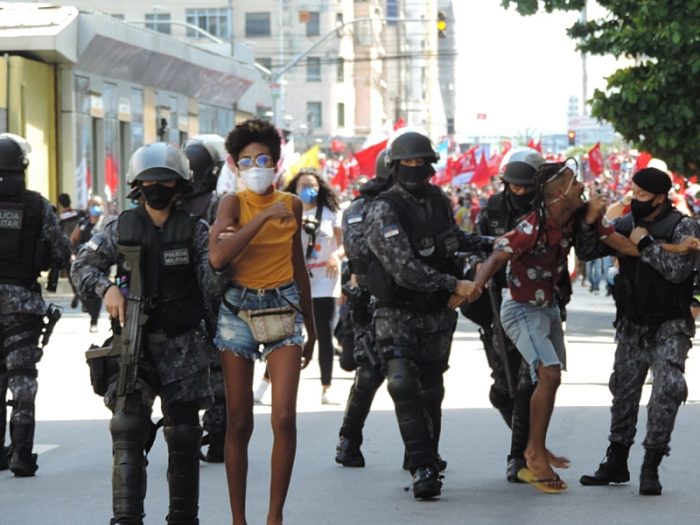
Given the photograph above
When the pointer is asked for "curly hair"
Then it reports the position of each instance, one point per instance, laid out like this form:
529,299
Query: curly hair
250,131
544,174
326,195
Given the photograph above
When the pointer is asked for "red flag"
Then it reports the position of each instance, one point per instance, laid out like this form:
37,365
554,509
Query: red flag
642,161
595,159
531,143
481,175
367,158
538,146
341,178
337,146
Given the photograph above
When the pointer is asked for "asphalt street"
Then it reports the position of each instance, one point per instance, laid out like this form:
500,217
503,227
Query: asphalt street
72,485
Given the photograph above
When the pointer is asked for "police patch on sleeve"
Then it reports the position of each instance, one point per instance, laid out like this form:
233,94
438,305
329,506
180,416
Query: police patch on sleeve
355,218
392,230
93,245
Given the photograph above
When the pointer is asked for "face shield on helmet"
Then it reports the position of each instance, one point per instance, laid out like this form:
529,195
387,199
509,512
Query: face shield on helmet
158,162
381,170
520,165
207,155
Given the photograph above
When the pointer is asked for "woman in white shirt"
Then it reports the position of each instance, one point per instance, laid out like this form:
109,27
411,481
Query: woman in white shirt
322,239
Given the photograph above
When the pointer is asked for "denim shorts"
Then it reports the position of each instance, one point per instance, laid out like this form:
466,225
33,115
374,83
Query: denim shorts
536,331
233,333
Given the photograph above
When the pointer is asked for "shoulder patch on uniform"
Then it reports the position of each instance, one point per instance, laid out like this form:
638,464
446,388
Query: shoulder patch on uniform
355,218
93,245
392,230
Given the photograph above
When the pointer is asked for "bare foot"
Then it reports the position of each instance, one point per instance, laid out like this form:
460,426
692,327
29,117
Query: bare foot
557,461
542,471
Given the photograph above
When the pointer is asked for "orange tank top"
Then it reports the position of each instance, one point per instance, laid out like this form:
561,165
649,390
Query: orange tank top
267,261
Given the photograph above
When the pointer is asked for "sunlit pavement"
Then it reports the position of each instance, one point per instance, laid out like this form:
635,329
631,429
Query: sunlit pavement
73,482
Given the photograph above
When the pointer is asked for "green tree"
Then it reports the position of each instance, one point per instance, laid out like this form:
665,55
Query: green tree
655,103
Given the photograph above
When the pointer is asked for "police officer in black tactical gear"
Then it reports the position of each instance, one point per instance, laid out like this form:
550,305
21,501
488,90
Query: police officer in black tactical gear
511,389
178,291
413,241
207,155
368,374
31,240
654,330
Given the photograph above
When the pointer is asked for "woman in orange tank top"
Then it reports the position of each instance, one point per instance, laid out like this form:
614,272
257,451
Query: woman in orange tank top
257,236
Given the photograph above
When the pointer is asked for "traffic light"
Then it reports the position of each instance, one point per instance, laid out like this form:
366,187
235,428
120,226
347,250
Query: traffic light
442,25
572,137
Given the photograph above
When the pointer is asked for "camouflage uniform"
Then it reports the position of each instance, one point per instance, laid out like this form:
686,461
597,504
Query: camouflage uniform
368,375
180,362
177,370
421,340
21,312
214,419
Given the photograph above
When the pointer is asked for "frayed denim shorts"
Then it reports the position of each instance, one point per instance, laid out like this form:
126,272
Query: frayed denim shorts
233,333
536,332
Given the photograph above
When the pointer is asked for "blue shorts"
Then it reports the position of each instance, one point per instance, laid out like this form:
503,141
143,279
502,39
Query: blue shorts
233,333
536,332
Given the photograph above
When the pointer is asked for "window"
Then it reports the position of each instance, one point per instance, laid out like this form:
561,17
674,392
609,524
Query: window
392,11
257,24
340,77
313,115
214,21
313,69
137,131
313,25
158,22
341,114
118,16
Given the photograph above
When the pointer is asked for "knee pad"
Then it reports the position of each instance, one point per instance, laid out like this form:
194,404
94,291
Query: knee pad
368,379
674,382
183,437
500,400
129,429
181,413
402,380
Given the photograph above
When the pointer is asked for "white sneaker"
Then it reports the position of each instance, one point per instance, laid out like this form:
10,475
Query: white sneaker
260,391
325,400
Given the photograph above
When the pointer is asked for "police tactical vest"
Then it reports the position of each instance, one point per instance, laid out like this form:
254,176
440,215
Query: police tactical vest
173,300
433,241
197,204
23,254
642,294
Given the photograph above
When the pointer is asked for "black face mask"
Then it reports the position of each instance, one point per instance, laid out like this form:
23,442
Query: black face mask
641,209
415,178
521,202
159,196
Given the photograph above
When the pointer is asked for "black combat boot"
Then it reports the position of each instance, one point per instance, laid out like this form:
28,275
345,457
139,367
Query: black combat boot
613,468
215,452
426,483
23,462
649,478
442,463
348,453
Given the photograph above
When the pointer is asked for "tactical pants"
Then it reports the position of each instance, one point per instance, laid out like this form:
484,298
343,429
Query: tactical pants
633,358
214,419
367,382
415,349
19,355
499,394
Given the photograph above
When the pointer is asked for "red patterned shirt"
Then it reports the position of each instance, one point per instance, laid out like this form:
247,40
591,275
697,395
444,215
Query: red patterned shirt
539,261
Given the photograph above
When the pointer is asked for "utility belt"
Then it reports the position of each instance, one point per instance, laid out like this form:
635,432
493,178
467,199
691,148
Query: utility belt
417,302
30,284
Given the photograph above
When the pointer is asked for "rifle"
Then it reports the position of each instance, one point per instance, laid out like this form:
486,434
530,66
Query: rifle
127,341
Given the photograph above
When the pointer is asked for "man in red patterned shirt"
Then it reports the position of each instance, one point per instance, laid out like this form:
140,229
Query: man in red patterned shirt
537,250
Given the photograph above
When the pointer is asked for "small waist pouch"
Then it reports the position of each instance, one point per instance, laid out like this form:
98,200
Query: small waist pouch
270,324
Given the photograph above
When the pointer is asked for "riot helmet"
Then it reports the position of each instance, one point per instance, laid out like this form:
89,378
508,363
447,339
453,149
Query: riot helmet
14,151
381,169
158,162
411,145
520,165
207,155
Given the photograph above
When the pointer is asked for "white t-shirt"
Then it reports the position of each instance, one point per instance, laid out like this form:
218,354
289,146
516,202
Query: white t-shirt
321,284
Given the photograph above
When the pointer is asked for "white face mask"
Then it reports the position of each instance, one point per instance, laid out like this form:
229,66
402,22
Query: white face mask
258,180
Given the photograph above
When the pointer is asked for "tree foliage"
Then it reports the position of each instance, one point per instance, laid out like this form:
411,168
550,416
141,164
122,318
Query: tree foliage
654,103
